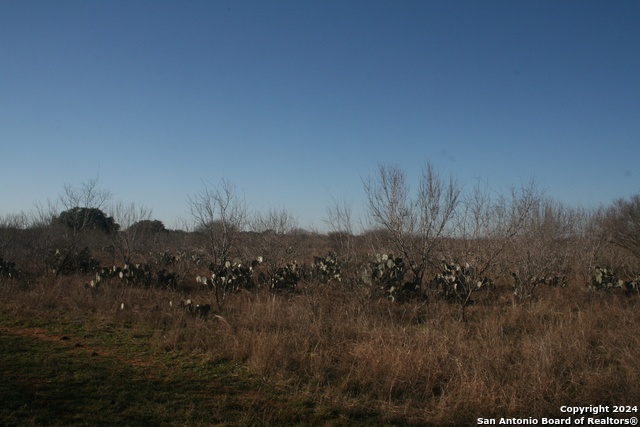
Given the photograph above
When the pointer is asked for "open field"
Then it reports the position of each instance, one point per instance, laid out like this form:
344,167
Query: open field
73,356
449,309
111,373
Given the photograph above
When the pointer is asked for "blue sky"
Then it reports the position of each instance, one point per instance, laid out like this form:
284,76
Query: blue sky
296,101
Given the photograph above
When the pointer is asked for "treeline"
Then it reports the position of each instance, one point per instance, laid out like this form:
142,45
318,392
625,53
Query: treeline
434,241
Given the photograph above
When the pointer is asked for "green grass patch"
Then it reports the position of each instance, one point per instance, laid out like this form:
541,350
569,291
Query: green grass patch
72,374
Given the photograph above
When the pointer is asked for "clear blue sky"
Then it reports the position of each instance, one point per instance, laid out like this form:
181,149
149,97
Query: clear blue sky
296,101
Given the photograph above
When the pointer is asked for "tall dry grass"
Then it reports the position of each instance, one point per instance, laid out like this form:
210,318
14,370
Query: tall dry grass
412,361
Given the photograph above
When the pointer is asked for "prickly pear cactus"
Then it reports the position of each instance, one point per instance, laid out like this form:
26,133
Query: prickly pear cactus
132,275
524,288
136,275
632,286
71,262
285,278
325,269
387,275
604,279
228,276
388,271
456,283
8,269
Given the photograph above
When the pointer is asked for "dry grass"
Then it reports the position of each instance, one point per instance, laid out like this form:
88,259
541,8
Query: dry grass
412,362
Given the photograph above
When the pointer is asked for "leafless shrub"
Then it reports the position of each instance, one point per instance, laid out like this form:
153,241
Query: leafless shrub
75,228
88,195
130,240
12,228
276,242
484,228
40,238
342,237
414,228
220,213
541,253
622,222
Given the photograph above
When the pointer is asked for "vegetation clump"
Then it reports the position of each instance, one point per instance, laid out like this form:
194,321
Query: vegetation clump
8,269
327,268
87,218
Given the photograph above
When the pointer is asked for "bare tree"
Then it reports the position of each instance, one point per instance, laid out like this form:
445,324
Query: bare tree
590,242
486,224
130,240
341,233
221,214
44,214
42,236
82,203
484,227
278,243
14,236
88,195
413,228
83,212
541,252
622,221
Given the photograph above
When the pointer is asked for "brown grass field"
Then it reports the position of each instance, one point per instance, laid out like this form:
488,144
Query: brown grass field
489,310
412,363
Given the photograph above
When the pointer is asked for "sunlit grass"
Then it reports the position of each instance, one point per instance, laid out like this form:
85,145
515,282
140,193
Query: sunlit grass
319,357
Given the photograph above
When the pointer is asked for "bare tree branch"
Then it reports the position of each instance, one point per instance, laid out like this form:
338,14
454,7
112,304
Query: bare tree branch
414,228
221,214
129,240
87,196
622,221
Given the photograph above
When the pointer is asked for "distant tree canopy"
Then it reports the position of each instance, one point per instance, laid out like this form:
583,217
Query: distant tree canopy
87,219
148,226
